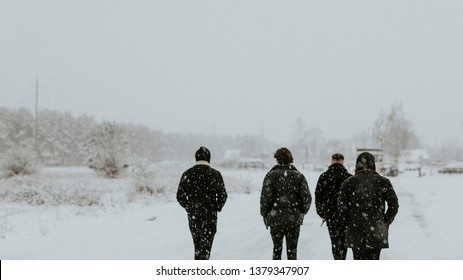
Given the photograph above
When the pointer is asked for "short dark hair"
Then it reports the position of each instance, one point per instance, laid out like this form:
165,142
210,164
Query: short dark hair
283,156
337,156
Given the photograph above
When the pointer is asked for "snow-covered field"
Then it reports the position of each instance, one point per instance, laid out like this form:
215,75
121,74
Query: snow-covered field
71,214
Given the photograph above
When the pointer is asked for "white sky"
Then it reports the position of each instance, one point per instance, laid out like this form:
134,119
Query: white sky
234,67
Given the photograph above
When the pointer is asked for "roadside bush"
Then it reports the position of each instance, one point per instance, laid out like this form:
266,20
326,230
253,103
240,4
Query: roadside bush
144,184
18,162
38,190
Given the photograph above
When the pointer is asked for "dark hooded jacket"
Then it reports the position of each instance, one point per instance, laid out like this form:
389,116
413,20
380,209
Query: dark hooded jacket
285,196
201,192
327,190
362,206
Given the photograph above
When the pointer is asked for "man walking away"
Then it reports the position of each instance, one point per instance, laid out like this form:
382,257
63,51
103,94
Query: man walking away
284,200
367,204
326,203
202,193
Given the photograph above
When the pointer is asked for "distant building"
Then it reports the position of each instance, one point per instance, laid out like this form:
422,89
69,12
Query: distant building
413,159
384,167
453,167
234,159
248,163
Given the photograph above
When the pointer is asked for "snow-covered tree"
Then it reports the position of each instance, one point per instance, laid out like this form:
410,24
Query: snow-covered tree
144,143
16,129
16,143
107,149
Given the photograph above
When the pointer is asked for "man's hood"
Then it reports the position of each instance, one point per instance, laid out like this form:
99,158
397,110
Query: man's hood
365,161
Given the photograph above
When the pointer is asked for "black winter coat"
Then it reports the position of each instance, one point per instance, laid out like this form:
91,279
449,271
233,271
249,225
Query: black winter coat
201,192
285,196
327,190
362,205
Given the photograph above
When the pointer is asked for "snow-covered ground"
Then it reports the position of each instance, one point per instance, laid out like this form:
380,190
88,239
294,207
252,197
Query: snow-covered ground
117,223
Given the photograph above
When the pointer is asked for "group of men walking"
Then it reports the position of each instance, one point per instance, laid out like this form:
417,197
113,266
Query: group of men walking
358,209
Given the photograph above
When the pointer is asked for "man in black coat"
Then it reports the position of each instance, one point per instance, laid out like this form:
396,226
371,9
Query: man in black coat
284,200
326,203
202,193
362,206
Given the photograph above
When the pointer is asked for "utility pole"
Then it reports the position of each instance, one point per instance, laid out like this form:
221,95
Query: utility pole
36,113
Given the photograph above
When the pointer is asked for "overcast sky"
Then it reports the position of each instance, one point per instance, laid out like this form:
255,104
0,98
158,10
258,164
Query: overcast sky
238,67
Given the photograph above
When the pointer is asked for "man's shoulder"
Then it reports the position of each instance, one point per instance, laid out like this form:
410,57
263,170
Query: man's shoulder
215,171
197,167
383,179
349,180
193,170
190,170
198,171
284,169
329,173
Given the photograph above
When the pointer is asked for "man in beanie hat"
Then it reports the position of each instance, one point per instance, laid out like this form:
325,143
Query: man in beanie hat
284,201
326,202
202,193
362,207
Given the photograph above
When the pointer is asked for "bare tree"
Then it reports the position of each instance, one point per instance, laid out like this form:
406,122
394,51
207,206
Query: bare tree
394,133
300,145
316,143
308,143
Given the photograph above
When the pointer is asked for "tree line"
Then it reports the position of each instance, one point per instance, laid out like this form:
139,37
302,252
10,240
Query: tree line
61,139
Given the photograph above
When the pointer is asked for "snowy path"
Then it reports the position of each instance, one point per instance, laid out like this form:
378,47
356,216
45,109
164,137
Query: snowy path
428,226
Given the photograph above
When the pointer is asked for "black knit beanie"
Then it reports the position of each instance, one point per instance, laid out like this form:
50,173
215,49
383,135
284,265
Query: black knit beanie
203,154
